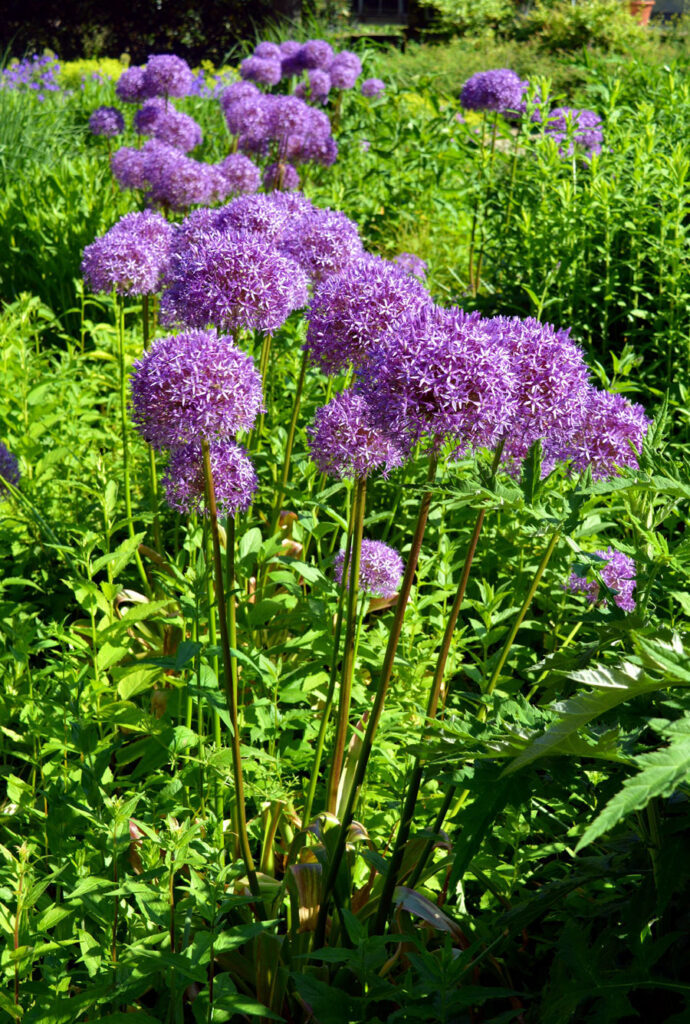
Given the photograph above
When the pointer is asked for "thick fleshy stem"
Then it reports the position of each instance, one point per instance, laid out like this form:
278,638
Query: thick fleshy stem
120,317
326,713
342,720
280,494
377,707
228,641
432,707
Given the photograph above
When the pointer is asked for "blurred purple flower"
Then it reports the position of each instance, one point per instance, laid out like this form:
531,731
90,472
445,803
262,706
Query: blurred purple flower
281,177
344,69
411,264
499,90
132,86
234,478
265,72
9,469
372,87
168,75
380,569
617,572
168,125
241,173
106,121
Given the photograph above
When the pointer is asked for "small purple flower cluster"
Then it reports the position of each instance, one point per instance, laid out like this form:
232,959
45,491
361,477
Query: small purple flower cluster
107,121
193,387
413,265
617,572
380,569
32,74
500,90
571,127
9,469
326,70
446,377
372,87
130,258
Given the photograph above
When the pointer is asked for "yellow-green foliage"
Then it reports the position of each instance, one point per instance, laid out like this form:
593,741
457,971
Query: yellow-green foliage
470,15
73,71
564,26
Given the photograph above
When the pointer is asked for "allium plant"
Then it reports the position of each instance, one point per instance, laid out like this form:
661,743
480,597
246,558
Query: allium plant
168,125
241,173
281,177
499,90
372,87
380,569
133,87
234,477
261,70
9,468
323,242
344,69
351,310
233,280
131,257
571,127
411,264
617,572
192,386
348,439
106,121
167,75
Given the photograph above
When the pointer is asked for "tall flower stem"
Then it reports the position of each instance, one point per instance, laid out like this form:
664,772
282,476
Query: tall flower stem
475,215
492,153
342,720
153,475
228,640
326,713
120,318
377,707
280,493
431,710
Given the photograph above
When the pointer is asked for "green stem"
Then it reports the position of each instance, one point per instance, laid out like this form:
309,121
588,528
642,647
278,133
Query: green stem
280,494
478,274
377,708
326,713
228,639
475,213
342,720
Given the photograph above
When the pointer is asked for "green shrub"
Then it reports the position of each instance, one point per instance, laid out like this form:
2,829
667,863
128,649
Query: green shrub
469,16
564,26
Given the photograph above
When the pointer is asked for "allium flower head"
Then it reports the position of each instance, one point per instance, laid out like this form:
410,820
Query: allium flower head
131,257
177,181
344,69
129,167
411,264
499,90
315,53
607,434
195,385
268,51
234,281
257,69
132,86
319,85
380,569
351,310
283,177
266,215
551,378
372,87
241,173
323,242
617,572
569,127
241,90
234,478
168,125
9,468
348,439
439,375
106,121
168,75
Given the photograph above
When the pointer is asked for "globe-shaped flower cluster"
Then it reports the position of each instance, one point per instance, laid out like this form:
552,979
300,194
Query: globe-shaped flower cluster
131,257
617,571
9,468
380,569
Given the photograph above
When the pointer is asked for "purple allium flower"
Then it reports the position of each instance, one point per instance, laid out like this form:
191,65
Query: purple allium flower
569,127
9,468
241,173
191,386
347,439
129,167
168,75
315,53
268,51
106,121
617,572
234,281
372,87
351,310
289,55
265,215
319,85
167,125
344,69
289,47
364,145
282,177
439,374
179,182
265,72
130,257
551,377
380,569
607,434
234,478
323,242
132,86
411,264
493,90
237,91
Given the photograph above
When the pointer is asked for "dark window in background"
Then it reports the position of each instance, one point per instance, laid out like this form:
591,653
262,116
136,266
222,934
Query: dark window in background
384,11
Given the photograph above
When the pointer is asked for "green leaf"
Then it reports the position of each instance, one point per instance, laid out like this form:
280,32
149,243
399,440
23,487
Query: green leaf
119,558
662,772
